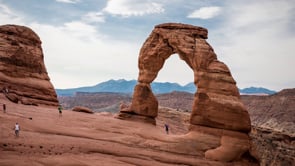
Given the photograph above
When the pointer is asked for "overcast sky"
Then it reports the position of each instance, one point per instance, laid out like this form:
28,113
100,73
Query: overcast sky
86,42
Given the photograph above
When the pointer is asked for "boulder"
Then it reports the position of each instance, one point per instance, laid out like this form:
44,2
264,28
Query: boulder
82,109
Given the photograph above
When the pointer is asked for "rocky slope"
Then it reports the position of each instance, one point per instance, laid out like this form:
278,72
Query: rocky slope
23,76
274,112
99,100
273,148
273,127
94,101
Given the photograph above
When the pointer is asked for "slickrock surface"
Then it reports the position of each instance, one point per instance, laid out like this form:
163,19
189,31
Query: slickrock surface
217,105
100,139
23,76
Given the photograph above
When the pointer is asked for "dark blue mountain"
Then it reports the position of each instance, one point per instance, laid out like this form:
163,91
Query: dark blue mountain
190,87
167,87
255,90
124,86
118,86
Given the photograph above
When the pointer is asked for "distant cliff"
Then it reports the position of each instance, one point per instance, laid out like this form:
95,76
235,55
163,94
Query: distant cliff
275,111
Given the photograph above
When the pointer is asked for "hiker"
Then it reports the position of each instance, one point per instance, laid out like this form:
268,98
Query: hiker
60,110
4,108
166,128
5,90
16,129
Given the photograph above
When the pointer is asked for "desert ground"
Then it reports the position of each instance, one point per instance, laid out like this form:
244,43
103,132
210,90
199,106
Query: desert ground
77,138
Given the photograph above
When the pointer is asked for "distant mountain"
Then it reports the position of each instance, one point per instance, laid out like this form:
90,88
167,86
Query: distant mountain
125,86
258,91
117,86
167,87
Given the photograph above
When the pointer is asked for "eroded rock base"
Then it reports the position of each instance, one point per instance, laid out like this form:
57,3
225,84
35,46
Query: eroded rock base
135,117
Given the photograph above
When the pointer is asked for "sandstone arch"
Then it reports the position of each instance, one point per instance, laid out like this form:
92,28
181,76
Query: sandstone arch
217,102
217,109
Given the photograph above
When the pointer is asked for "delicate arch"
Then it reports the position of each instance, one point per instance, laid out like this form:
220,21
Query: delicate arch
217,102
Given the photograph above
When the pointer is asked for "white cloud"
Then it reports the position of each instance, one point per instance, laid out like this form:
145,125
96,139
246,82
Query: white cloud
94,17
5,9
80,30
68,1
264,13
9,16
205,12
77,55
257,41
127,8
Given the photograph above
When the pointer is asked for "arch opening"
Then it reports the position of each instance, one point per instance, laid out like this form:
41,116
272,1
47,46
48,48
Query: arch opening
175,70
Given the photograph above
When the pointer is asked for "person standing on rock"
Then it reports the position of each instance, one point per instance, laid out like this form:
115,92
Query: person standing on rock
166,128
5,90
4,108
16,129
60,110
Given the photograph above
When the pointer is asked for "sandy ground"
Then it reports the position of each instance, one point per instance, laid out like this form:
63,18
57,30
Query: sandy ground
77,138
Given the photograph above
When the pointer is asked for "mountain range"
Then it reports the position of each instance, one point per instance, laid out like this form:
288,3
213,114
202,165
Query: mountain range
125,86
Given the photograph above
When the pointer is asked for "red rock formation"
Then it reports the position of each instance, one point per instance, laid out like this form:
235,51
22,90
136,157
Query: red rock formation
23,76
217,102
82,109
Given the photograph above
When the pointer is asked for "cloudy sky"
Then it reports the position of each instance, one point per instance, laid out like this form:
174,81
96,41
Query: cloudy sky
86,42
